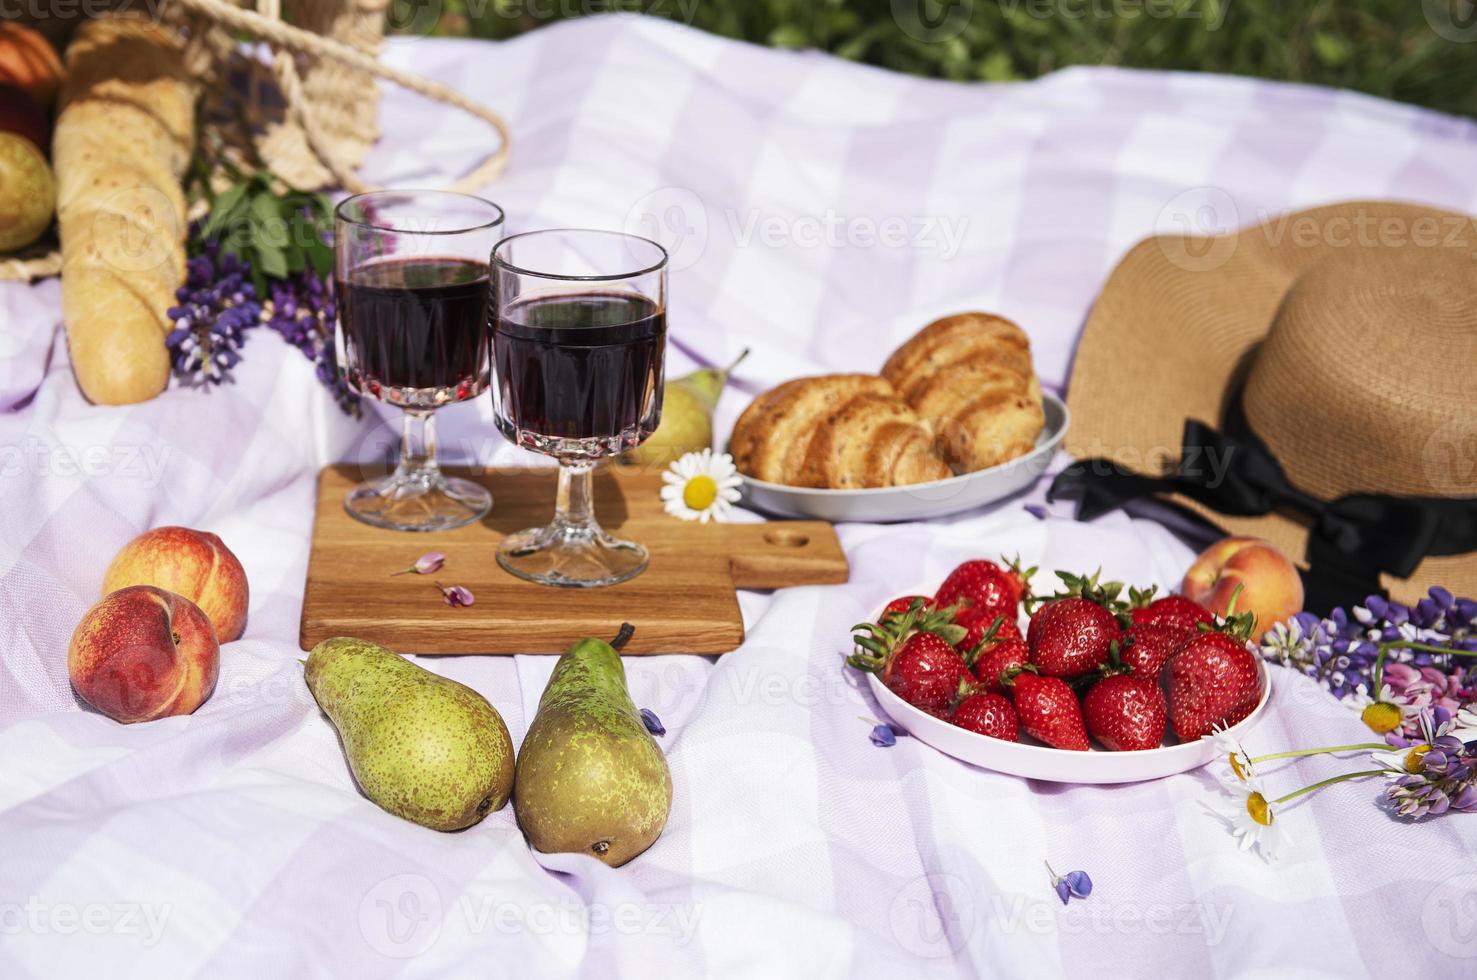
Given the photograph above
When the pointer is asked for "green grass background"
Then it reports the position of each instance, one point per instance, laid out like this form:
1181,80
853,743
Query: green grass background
1385,47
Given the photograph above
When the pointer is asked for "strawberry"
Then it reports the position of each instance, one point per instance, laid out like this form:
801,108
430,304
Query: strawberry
987,714
993,661
1126,712
1048,710
905,603
1072,636
1147,647
984,630
1171,610
987,587
1212,681
913,652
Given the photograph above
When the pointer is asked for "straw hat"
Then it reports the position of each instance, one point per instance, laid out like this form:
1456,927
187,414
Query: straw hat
1340,343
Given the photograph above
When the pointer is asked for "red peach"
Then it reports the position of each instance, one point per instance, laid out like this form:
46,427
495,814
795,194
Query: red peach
1271,588
143,653
194,564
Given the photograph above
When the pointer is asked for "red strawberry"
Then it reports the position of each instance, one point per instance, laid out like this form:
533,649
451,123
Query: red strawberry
926,672
1212,681
905,603
1147,647
987,714
913,652
1126,712
995,659
984,585
1071,636
1049,711
1172,610
982,628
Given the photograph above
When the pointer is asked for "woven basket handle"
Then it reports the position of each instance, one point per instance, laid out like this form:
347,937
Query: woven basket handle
285,39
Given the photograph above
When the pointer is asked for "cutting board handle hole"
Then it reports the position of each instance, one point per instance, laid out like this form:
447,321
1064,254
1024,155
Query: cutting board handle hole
787,539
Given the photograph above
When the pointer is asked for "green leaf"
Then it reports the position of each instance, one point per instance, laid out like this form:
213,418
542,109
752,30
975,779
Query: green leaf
271,261
322,258
223,209
270,226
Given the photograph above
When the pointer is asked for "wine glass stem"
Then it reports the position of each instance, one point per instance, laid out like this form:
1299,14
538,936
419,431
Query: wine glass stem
418,447
574,509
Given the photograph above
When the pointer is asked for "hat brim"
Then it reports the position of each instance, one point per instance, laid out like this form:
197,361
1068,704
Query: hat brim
1170,338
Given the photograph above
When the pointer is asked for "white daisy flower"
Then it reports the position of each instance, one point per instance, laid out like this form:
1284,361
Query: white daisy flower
1228,748
1401,762
1382,714
701,487
1253,820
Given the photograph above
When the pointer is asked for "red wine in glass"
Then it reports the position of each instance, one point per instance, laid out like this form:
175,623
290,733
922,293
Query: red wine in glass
579,329
581,367
415,329
412,275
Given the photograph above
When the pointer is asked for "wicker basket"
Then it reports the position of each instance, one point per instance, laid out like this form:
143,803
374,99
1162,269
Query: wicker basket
312,111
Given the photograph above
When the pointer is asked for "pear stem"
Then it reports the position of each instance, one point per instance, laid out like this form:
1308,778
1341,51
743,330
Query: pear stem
622,636
736,362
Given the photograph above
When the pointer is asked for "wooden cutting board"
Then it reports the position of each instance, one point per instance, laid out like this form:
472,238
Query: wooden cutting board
683,603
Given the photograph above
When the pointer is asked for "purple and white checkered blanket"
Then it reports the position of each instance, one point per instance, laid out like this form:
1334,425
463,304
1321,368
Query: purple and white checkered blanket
818,212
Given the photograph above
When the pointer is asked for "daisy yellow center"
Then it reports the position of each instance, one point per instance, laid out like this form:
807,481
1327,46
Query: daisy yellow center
1382,717
1415,759
700,492
1261,812
1237,767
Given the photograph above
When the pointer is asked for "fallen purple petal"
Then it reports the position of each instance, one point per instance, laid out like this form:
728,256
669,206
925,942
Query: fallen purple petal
430,562
652,722
456,595
883,736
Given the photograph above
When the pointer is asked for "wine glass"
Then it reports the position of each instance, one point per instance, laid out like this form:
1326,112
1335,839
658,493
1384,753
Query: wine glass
579,331
411,271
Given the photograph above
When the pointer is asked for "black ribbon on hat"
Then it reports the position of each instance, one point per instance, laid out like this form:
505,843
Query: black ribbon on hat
1351,539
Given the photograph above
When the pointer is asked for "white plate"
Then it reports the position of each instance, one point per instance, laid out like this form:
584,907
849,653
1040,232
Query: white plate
920,501
1033,760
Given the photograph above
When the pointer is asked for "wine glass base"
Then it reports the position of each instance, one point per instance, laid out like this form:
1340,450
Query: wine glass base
571,558
402,503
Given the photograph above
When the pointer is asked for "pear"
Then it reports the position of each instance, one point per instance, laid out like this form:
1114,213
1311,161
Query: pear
687,416
591,779
423,747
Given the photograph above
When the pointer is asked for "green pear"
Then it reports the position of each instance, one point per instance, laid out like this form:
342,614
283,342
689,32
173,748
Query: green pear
421,746
687,416
591,779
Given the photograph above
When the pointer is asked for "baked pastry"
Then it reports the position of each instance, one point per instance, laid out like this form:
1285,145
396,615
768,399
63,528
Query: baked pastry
969,379
839,431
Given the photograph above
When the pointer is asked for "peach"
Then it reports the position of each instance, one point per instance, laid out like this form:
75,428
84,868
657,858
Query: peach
1271,588
194,564
143,653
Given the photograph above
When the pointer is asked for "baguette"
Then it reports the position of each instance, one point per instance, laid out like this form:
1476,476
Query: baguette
122,142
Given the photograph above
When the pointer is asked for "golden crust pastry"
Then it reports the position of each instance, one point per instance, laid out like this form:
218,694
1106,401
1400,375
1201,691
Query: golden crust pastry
969,378
836,431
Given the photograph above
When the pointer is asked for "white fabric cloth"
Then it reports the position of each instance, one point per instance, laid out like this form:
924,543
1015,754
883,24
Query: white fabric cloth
819,212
